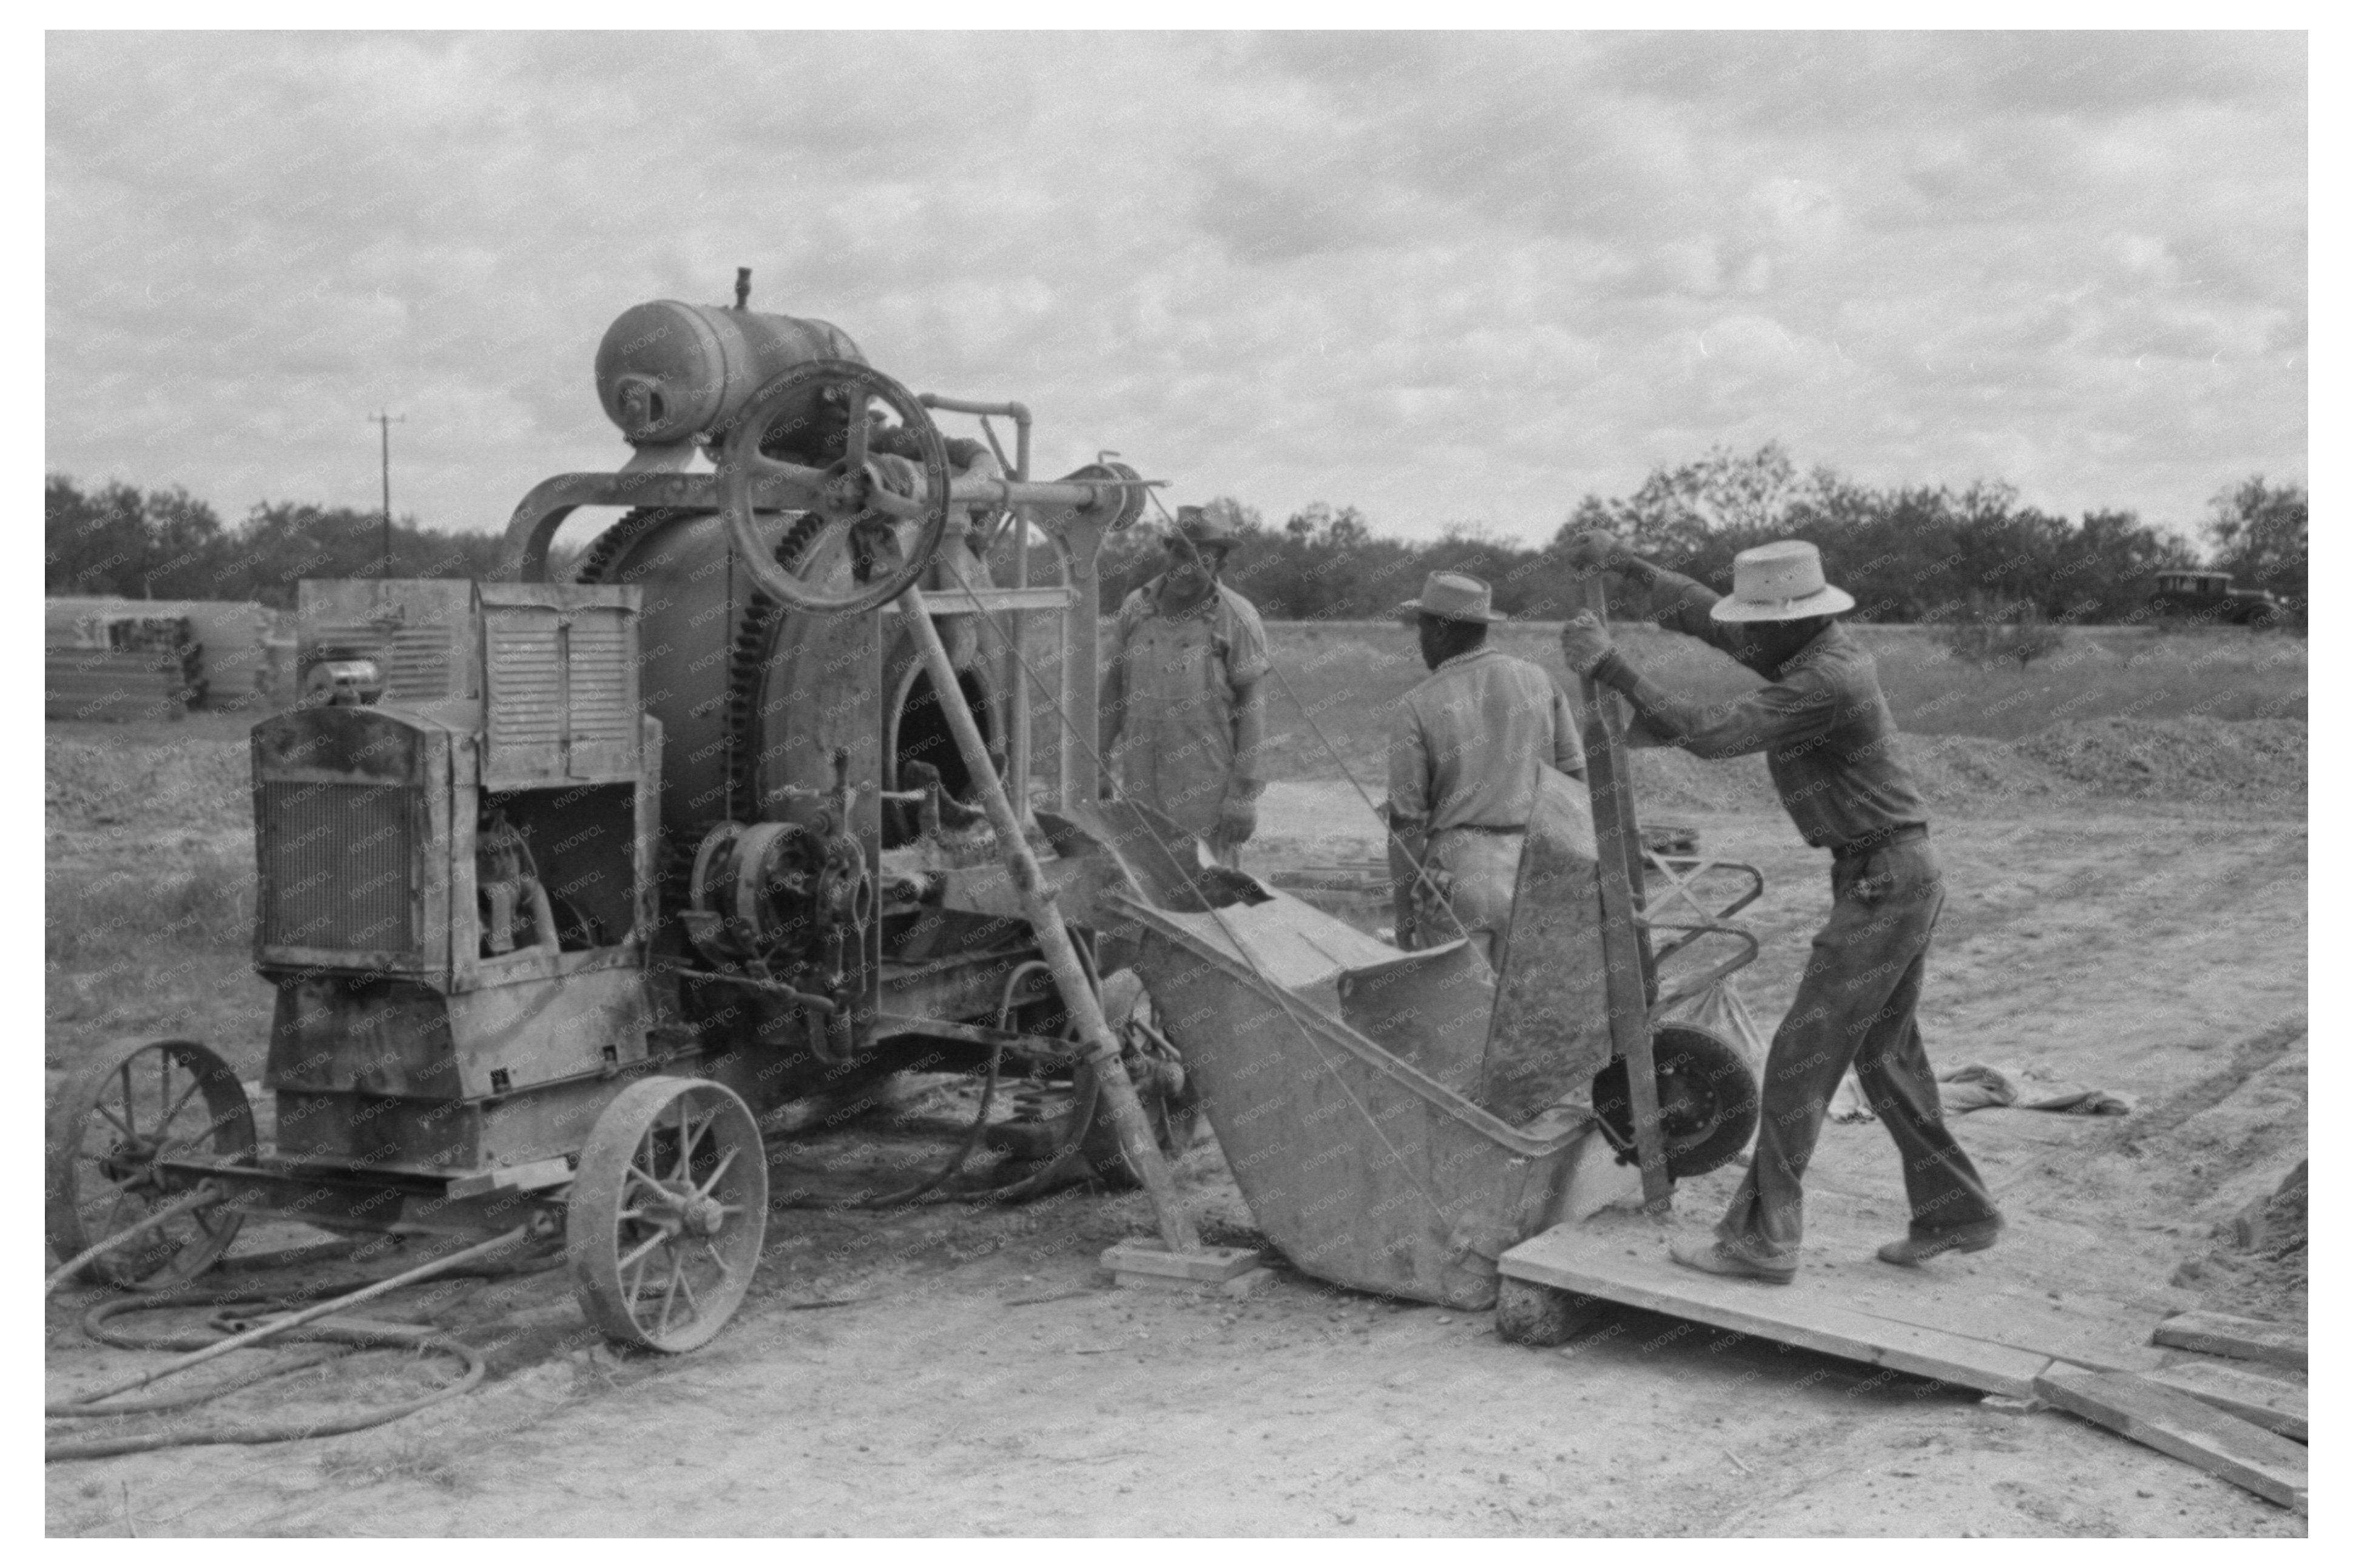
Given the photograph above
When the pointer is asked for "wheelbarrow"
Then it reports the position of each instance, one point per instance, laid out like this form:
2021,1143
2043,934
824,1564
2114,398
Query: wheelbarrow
1397,1120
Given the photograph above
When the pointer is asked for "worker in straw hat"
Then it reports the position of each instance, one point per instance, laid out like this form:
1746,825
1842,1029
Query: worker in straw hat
1183,716
1464,751
1829,742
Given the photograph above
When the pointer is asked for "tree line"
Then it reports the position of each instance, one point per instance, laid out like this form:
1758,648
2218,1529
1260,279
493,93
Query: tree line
166,544
1908,553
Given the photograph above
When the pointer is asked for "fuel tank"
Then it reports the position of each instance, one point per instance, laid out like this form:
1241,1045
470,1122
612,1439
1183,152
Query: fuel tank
667,370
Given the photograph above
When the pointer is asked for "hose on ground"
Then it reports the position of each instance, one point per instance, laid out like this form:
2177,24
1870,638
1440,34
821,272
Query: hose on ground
306,1319
1013,1191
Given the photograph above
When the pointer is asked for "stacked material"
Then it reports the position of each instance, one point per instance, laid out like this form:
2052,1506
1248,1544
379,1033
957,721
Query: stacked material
227,660
116,683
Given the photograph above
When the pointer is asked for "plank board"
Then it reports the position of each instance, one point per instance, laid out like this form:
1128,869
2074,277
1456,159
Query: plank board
1619,1264
2271,1403
2185,1427
2248,1338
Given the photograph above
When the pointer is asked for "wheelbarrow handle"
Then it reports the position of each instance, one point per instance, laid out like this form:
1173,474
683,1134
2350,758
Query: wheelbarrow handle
1728,968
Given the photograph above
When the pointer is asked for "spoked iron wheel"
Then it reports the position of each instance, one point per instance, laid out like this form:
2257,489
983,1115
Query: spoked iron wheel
133,1106
667,1212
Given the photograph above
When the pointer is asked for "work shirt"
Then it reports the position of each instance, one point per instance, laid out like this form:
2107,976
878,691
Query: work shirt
1823,724
1181,678
1466,743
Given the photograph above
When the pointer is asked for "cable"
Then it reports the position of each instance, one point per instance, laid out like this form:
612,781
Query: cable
1282,997
304,1323
1420,869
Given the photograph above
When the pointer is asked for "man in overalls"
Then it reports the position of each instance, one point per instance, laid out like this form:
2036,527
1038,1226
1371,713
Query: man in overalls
1464,751
1829,743
1183,716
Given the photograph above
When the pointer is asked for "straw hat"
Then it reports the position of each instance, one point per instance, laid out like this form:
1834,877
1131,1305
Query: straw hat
1780,581
1206,530
1453,595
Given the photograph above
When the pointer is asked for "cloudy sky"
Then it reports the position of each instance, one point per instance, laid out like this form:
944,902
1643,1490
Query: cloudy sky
1444,277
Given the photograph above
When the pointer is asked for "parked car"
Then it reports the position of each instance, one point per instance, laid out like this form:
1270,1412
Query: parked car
2210,598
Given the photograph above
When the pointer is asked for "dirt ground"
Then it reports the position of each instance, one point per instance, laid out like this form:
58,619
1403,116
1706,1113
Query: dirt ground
958,1371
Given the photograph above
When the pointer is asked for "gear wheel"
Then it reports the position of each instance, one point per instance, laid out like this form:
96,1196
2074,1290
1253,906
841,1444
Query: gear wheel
757,628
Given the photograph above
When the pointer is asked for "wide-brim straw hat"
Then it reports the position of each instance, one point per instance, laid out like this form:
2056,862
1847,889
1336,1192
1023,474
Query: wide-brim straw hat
1204,529
1453,595
1780,581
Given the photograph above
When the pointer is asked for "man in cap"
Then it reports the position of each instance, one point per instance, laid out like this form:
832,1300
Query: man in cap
1464,753
1184,719
1830,743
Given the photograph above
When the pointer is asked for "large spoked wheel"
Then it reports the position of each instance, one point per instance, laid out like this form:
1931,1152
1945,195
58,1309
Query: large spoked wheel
877,541
667,1212
136,1104
1707,1099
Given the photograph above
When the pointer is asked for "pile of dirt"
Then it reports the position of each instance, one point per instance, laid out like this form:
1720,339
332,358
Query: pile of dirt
193,783
2194,758
2250,764
2259,1264
2213,1147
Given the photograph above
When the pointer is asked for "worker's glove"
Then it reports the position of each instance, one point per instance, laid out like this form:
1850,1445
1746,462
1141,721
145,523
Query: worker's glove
1585,642
1236,819
1592,549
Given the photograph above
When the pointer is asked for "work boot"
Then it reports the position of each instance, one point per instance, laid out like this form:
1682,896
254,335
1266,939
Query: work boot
1914,1250
1714,1257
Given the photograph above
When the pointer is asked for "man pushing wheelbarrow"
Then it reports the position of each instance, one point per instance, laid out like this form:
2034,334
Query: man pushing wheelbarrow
1829,740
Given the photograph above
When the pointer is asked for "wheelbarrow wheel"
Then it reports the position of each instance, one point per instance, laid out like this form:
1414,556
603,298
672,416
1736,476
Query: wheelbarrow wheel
1171,1102
132,1106
1707,1099
667,1212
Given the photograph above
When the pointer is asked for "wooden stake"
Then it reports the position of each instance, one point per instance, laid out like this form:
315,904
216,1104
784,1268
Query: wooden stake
1143,1150
1618,845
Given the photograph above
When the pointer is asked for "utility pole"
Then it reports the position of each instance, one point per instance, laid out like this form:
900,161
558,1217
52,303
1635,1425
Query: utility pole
385,422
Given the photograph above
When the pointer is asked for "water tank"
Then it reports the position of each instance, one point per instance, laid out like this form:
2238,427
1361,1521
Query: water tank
667,370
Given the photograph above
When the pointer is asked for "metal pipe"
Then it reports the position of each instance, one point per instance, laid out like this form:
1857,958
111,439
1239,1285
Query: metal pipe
204,1197
1061,956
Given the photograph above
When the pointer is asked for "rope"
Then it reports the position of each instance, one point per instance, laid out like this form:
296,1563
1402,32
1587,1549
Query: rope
303,1323
1283,998
1420,870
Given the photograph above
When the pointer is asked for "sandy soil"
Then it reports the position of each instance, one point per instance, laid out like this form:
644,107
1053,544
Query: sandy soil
955,1371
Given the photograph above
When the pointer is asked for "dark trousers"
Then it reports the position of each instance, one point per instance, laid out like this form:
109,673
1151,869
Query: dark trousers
1855,1005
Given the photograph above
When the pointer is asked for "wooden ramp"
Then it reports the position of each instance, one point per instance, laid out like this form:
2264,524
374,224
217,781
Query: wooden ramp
1627,1263
2051,1324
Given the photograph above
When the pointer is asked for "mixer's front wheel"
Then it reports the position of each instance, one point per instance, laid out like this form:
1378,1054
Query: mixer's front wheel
132,1106
667,1212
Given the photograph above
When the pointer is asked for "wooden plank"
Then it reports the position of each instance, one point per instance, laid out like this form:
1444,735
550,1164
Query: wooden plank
1138,1257
1618,853
2182,1424
2248,1338
1592,1261
2272,1403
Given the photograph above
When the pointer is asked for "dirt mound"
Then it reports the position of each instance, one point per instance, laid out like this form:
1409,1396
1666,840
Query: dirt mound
197,783
2203,1143
2190,758
2247,764
2261,1264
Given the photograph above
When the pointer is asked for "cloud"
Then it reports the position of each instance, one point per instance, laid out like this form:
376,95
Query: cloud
1442,277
